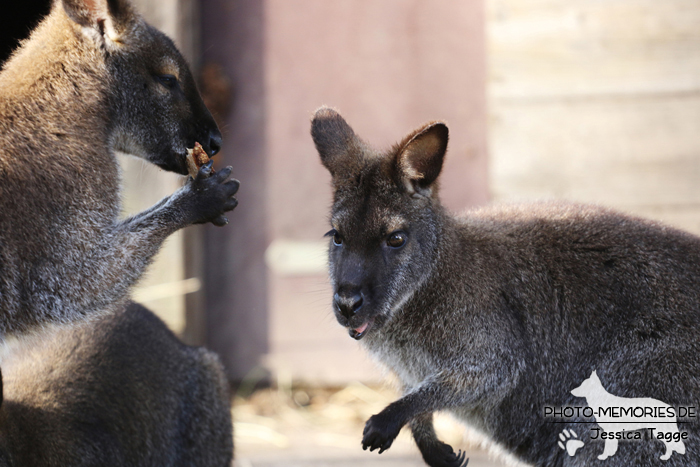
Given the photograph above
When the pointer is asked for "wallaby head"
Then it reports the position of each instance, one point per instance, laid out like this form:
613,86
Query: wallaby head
154,108
384,217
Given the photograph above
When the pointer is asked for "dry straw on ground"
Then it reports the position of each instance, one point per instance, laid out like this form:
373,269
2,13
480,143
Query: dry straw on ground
313,426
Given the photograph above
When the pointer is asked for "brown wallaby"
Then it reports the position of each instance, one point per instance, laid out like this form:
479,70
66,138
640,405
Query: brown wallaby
498,315
118,390
92,79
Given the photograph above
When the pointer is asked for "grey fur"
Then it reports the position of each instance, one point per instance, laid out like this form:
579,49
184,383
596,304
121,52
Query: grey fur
92,80
119,390
498,313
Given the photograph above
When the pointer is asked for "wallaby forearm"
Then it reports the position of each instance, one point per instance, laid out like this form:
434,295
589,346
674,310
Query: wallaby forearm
443,391
462,386
126,249
438,392
81,280
76,274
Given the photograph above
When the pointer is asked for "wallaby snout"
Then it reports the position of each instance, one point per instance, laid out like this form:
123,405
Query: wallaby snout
350,310
348,303
215,140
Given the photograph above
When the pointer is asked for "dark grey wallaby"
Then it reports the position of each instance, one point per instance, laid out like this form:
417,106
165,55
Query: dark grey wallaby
92,79
118,390
498,314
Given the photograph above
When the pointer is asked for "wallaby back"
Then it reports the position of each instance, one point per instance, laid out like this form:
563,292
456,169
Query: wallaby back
119,390
500,313
92,79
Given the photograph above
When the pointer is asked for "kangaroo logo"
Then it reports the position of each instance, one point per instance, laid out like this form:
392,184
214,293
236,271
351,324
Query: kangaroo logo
617,414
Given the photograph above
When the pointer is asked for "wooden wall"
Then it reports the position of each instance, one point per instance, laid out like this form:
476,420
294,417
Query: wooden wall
597,101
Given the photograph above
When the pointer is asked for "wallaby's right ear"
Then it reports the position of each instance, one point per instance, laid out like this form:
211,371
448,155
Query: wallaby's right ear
340,149
108,17
420,156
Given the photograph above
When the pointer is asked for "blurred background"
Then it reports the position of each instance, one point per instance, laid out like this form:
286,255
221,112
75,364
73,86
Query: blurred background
584,100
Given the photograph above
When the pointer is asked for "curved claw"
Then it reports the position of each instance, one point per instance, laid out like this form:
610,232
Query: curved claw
205,170
385,446
220,221
224,173
462,459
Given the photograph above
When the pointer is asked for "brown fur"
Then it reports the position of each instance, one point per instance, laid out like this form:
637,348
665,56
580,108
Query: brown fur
503,311
119,390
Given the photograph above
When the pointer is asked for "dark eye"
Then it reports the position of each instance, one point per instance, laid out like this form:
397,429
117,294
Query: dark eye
337,239
169,81
396,239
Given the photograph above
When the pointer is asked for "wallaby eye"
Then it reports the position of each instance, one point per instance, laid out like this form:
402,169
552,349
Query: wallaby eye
169,81
337,239
397,239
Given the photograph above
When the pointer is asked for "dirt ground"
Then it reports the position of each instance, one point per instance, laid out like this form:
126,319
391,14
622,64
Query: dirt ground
319,427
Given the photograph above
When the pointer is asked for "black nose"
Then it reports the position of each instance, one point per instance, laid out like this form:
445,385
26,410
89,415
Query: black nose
215,141
348,304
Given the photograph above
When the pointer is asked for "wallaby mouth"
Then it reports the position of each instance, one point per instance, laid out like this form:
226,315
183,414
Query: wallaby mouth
360,332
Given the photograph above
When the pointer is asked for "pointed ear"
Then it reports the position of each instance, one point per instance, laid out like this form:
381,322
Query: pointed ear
108,17
420,156
337,144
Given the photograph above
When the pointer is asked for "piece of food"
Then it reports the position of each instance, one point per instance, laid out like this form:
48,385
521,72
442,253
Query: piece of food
196,157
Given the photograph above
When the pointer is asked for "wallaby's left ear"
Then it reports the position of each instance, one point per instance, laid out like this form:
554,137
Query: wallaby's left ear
337,144
108,17
420,156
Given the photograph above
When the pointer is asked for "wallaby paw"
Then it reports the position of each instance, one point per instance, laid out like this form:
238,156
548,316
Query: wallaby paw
442,455
211,195
379,433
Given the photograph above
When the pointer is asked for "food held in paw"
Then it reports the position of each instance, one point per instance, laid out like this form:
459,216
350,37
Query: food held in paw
196,157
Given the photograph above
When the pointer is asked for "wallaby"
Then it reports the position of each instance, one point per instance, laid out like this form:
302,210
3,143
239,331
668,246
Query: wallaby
497,315
93,78
117,390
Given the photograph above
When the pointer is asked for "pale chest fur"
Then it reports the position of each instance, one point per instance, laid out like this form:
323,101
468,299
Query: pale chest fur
411,364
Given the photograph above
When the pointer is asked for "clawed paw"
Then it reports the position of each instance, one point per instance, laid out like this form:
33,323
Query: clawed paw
211,195
379,433
442,455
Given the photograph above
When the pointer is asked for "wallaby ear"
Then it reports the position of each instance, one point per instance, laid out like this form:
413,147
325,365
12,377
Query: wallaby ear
420,155
337,144
109,17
